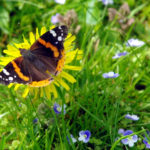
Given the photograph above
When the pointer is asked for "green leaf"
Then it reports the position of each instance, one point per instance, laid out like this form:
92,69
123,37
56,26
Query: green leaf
96,141
4,19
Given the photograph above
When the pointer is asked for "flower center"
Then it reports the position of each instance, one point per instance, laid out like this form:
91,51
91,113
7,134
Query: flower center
85,136
59,109
130,138
110,74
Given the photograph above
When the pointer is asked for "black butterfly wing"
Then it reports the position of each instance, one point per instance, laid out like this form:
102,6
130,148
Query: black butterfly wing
51,42
36,69
14,72
36,66
23,70
49,47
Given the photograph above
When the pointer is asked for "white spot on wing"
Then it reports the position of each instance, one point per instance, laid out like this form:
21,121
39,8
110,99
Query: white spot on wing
59,38
53,33
6,72
15,76
59,27
10,78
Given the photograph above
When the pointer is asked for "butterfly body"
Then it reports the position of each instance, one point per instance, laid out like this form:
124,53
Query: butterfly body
37,65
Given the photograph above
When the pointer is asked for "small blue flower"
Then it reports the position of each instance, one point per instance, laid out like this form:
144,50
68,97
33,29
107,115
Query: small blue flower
134,43
35,120
130,140
72,138
57,108
55,18
146,140
107,2
121,131
60,1
132,117
119,55
84,136
147,143
110,75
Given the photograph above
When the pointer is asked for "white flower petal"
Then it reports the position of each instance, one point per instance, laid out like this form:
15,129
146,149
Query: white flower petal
134,43
60,1
74,140
81,138
131,143
111,74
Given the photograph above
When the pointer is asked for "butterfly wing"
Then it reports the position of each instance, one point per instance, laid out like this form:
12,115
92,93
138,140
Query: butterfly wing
49,48
36,66
22,70
51,42
14,72
48,51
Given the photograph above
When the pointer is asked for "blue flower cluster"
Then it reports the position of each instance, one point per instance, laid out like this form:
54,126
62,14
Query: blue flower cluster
130,43
84,136
131,140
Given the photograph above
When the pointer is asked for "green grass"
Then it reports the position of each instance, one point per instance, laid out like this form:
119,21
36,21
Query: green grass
94,103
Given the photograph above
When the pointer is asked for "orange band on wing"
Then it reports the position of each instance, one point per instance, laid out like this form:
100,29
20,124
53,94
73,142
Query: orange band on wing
49,45
20,74
61,62
40,83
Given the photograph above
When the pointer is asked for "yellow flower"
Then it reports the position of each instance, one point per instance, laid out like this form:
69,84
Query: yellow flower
69,54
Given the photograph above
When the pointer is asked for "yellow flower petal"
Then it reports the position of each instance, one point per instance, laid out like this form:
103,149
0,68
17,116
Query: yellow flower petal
54,90
65,85
25,93
62,83
68,77
76,68
56,83
5,60
36,91
10,85
52,27
12,53
43,30
17,45
37,34
12,48
20,45
17,86
68,36
69,41
68,48
41,92
32,38
47,92
70,56
26,44
4,63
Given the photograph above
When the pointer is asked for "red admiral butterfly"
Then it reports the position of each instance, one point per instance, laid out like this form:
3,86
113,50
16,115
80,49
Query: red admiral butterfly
37,65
